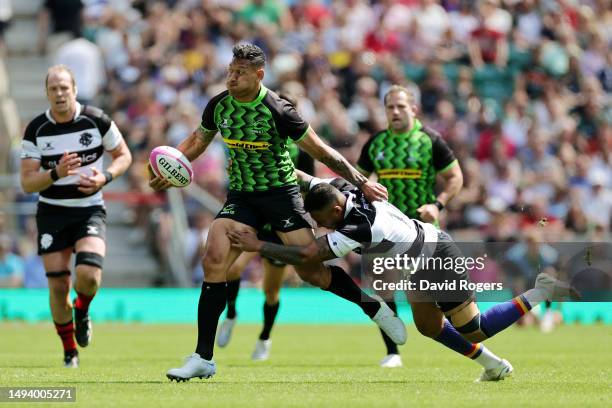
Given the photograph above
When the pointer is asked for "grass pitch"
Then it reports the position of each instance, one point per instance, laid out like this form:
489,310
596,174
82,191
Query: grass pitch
311,366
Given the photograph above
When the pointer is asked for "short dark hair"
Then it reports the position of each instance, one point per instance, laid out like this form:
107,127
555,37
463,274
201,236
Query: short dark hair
251,53
320,196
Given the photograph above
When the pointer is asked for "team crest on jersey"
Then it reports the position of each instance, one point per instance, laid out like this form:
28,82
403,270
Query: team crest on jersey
46,240
259,127
86,139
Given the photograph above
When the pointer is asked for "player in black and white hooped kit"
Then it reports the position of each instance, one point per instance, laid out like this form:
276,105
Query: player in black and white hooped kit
62,160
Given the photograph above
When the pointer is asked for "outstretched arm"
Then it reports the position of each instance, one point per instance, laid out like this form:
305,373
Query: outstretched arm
316,251
319,150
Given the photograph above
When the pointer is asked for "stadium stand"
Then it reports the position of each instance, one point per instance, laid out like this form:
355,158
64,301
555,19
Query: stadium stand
528,114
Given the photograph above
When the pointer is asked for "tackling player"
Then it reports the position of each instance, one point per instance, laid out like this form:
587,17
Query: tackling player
452,319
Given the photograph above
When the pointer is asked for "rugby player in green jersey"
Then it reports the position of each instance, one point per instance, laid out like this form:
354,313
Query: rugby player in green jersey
406,158
256,125
273,273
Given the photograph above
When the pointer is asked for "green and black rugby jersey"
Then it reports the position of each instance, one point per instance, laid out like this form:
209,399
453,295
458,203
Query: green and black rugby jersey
257,135
407,164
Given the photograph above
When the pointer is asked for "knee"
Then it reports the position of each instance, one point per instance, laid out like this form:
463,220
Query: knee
212,264
87,274
314,276
429,328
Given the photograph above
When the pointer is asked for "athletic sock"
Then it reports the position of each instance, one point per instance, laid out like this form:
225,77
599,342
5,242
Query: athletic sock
212,302
269,312
451,338
66,333
233,287
344,286
391,346
501,316
81,305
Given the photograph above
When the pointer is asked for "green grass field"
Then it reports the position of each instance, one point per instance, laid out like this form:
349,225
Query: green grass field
312,366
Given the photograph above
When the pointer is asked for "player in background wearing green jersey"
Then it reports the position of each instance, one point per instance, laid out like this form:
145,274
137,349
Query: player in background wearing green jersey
256,125
406,158
273,272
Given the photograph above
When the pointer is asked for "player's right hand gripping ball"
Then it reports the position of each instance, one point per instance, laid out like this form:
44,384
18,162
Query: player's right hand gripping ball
172,165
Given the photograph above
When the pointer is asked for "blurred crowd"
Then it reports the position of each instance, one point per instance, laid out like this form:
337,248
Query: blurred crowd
519,89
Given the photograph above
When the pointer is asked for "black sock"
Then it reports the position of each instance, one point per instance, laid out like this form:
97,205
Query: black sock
391,346
233,287
345,287
211,305
79,314
270,312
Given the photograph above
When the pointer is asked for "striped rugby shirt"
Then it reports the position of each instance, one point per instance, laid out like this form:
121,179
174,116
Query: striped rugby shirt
89,134
377,226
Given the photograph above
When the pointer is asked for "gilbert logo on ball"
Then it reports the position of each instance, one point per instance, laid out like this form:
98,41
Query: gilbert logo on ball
172,165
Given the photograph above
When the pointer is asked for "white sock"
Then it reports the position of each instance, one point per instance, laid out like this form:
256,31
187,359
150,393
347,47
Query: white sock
487,359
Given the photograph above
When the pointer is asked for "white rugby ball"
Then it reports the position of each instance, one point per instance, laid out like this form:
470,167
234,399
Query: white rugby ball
172,165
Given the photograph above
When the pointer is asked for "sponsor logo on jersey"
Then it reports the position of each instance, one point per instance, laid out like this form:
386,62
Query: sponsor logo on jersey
287,223
380,156
241,144
92,230
400,174
48,146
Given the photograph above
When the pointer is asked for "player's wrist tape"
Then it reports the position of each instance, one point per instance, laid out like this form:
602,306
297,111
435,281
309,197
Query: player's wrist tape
54,175
108,176
439,205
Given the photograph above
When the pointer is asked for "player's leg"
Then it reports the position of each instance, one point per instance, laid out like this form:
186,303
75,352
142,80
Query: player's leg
90,253
218,257
57,268
226,327
477,326
392,358
90,249
430,322
284,210
335,280
274,273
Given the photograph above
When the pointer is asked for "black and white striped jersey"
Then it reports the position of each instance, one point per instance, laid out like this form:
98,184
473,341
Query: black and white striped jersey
89,134
376,226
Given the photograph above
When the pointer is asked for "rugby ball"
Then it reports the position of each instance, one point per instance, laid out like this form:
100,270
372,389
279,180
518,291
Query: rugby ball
172,165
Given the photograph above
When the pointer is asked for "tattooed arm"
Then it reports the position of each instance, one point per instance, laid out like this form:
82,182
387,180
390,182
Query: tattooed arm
319,150
316,251
196,143
192,147
304,180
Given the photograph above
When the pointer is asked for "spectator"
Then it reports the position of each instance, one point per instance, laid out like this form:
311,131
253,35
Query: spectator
85,60
6,13
11,265
58,21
